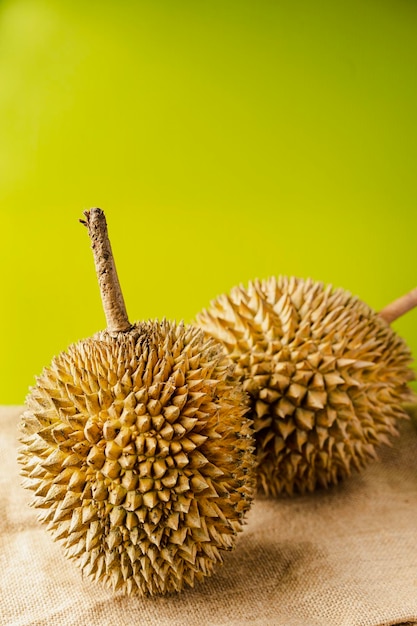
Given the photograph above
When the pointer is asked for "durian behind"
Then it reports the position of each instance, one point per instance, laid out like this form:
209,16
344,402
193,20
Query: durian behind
327,377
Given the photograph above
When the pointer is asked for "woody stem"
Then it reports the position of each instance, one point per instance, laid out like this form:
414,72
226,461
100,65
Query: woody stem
111,293
399,307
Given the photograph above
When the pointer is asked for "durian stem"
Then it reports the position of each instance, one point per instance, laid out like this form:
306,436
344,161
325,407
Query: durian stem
399,307
111,293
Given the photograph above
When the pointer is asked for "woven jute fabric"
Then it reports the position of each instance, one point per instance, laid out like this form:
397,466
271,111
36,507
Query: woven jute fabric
344,557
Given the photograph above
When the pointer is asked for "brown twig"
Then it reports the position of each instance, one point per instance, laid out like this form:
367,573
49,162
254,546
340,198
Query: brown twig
399,307
111,293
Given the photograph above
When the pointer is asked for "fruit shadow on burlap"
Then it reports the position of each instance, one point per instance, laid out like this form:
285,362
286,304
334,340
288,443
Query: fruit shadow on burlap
345,557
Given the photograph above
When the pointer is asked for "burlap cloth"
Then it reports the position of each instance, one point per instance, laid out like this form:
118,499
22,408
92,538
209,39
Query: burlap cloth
346,557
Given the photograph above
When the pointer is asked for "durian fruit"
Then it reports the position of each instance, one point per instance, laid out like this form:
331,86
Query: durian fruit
137,447
326,376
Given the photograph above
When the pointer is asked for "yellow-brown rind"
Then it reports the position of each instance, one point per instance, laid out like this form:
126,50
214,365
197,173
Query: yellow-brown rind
327,378
140,456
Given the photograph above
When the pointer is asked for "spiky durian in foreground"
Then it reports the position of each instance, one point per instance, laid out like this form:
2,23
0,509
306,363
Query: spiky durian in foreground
136,445
326,377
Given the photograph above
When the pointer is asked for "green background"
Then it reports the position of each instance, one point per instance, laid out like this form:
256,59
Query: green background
225,140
